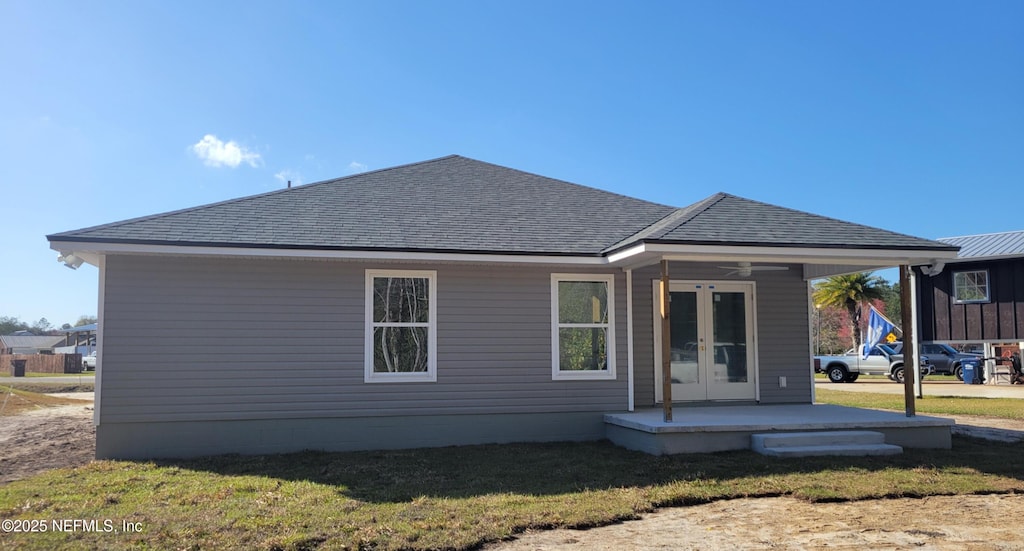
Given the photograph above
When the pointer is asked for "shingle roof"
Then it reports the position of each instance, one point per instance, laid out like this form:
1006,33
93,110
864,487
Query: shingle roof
447,204
724,218
455,204
991,245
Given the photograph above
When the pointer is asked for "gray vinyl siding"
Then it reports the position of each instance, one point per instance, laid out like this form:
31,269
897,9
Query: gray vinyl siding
783,338
782,330
260,436
643,336
200,339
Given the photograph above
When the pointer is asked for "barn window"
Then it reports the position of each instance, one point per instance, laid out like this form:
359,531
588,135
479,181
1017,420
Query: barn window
972,286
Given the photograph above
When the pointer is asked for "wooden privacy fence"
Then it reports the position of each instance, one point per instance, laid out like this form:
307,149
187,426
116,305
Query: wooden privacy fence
43,363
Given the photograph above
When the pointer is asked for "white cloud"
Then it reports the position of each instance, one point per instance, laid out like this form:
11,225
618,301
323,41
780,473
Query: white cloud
214,152
357,167
287,175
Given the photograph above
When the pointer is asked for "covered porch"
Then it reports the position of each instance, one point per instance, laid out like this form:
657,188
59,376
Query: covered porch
720,335
714,428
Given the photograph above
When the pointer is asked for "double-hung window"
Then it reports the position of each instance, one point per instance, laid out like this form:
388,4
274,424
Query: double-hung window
582,326
971,286
401,326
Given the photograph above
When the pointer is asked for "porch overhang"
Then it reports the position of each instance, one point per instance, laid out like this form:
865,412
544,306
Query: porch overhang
818,261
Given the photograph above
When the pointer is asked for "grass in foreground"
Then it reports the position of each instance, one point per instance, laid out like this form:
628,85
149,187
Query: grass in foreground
452,498
88,375
1005,408
14,401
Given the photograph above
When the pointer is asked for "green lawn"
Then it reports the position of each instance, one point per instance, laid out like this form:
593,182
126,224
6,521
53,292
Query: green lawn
462,497
88,374
1007,408
452,498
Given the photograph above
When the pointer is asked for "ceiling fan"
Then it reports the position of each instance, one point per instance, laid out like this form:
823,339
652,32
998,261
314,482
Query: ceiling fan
744,269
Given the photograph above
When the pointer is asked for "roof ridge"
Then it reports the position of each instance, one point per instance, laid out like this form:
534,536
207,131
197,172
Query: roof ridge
698,208
678,217
239,199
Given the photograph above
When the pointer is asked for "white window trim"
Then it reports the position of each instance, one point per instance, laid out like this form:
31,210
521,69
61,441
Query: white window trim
430,375
988,288
556,373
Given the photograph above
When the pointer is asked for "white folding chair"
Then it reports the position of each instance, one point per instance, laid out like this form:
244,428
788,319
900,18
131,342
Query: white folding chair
1002,373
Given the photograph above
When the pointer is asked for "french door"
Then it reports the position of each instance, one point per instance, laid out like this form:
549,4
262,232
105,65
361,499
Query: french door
711,342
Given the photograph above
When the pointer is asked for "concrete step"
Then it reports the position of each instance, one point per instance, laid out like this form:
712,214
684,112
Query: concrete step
804,444
819,438
849,449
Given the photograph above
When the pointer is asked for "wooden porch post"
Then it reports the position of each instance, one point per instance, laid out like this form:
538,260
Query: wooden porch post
910,362
666,345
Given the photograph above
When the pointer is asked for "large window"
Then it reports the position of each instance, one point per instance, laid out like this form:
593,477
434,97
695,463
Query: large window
582,326
971,286
401,321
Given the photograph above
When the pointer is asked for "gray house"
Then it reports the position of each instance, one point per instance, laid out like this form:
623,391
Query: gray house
448,302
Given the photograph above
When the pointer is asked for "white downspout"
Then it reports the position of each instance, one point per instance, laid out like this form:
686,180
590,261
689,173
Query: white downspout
629,337
100,324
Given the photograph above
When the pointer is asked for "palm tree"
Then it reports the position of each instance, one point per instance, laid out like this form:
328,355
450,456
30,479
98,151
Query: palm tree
850,292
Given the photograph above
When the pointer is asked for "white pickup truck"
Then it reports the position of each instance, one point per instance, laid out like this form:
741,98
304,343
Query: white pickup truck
882,361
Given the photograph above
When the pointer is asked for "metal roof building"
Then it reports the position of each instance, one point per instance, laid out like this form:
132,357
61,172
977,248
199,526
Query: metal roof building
990,245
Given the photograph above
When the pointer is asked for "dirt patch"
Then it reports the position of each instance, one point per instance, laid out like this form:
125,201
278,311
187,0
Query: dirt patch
46,438
16,402
989,428
938,523
942,523
41,385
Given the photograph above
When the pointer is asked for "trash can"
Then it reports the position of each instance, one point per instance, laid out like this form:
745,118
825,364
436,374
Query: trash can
18,368
971,372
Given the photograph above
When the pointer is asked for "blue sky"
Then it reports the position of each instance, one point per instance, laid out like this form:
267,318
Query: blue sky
903,115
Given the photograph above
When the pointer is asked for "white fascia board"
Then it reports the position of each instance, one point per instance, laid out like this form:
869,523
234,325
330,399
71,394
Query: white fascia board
91,252
626,256
800,255
638,255
960,260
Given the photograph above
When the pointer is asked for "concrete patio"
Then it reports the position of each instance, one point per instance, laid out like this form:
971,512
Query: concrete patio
704,429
